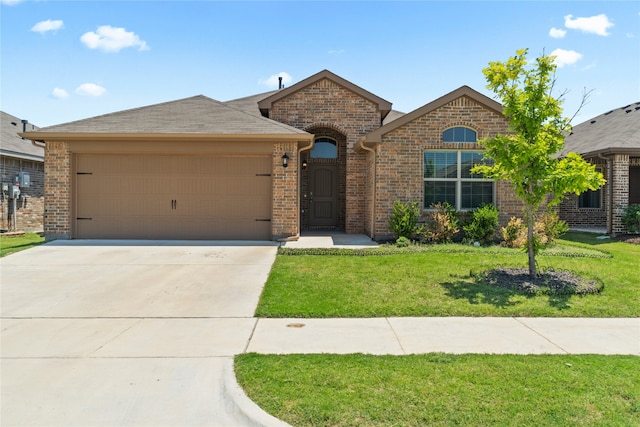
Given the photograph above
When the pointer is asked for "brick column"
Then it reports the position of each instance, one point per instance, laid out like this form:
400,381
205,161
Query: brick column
57,191
620,191
284,219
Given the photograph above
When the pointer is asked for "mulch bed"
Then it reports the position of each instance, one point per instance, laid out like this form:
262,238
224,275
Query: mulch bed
549,282
634,239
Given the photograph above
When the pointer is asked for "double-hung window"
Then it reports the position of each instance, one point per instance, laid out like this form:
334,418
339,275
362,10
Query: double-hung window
591,198
448,178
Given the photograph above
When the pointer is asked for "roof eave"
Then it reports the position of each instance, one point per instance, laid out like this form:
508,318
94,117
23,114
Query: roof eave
105,136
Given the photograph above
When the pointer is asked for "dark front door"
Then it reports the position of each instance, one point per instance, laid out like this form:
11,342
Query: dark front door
323,196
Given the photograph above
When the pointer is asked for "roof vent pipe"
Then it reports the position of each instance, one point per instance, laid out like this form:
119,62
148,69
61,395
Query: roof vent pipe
24,125
279,82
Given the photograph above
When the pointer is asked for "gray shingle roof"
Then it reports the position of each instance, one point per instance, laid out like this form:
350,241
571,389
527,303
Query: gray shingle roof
616,131
195,115
12,145
249,104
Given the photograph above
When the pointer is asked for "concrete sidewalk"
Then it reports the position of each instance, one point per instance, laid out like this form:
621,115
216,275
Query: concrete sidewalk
401,336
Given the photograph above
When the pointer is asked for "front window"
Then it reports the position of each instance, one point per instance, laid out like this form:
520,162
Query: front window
448,178
324,148
459,134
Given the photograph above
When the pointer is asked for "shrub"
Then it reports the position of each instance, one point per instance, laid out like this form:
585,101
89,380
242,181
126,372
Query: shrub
549,227
631,218
514,234
404,220
483,224
402,242
442,224
545,231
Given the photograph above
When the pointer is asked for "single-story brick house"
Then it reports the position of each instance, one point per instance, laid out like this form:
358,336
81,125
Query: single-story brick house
21,162
612,142
322,154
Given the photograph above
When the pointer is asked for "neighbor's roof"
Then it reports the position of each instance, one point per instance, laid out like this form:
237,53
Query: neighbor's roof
376,136
384,106
614,132
11,145
198,115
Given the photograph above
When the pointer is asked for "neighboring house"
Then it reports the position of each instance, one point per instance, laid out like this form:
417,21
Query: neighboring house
322,154
22,161
612,142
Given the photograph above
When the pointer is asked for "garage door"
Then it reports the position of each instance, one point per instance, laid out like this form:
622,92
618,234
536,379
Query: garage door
172,197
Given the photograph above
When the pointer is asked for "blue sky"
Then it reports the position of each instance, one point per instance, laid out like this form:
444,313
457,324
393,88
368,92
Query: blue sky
67,60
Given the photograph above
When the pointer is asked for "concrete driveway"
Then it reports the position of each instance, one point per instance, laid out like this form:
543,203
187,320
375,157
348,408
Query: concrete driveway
115,333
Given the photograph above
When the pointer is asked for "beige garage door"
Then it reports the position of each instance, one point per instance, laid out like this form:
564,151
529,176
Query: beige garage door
172,197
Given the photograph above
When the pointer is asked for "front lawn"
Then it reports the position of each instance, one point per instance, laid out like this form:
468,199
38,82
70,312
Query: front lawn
438,282
444,390
11,244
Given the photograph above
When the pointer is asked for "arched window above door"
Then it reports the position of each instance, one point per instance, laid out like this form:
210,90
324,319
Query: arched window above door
324,148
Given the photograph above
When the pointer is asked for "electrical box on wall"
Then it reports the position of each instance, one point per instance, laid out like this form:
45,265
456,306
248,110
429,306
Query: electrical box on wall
24,179
14,191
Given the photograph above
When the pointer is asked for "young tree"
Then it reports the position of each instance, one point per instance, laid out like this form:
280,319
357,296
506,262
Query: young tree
527,157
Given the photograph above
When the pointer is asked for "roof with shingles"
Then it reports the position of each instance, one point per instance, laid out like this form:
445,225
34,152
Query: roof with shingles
614,132
12,145
195,115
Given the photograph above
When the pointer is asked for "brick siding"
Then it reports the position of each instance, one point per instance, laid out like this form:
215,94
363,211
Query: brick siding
325,104
30,206
57,190
399,173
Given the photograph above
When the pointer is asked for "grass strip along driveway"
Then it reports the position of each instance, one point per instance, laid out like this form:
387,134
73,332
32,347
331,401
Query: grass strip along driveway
11,244
442,389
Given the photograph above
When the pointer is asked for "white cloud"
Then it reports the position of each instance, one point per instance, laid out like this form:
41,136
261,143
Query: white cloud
597,24
272,81
557,33
112,39
59,93
90,89
10,2
565,57
48,25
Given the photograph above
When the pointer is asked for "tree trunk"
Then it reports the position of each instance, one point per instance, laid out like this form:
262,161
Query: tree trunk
531,218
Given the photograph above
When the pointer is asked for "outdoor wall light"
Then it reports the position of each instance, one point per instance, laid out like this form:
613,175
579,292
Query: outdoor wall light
304,164
285,160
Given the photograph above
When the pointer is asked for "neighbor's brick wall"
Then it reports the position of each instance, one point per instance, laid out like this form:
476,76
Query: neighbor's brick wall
284,219
30,205
57,190
399,174
327,104
620,189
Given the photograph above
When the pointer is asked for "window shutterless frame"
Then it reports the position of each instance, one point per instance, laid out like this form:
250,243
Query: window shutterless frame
447,178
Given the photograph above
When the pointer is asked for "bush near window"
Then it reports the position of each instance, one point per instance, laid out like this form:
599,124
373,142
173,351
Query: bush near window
404,219
514,235
546,230
443,223
631,218
483,224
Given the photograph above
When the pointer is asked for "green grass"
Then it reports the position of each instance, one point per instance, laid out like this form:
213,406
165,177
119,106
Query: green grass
11,244
444,390
437,281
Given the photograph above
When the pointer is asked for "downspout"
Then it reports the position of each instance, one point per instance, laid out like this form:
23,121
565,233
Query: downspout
609,192
297,236
35,143
375,186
